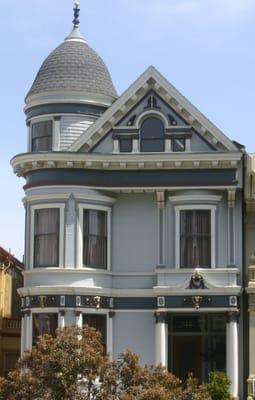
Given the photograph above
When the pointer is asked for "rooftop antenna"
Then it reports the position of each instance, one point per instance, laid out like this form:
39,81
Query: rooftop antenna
76,14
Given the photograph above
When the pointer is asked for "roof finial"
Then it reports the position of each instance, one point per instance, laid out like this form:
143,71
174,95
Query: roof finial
76,10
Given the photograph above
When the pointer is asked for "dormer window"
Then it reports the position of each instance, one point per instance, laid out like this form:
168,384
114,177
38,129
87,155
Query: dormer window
152,135
41,136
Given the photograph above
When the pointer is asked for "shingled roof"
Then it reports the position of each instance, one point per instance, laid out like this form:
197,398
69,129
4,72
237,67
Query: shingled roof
73,66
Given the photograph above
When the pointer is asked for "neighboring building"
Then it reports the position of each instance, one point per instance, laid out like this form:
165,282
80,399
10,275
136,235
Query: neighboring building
250,267
10,311
134,217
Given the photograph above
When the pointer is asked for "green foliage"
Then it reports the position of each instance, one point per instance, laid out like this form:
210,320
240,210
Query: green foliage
219,386
73,366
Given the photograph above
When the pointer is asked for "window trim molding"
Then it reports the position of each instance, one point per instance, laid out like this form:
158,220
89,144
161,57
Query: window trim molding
212,209
61,208
81,208
109,327
148,114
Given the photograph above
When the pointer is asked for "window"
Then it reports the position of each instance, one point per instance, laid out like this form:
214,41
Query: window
125,145
95,238
195,238
41,136
46,237
97,321
152,135
10,360
44,323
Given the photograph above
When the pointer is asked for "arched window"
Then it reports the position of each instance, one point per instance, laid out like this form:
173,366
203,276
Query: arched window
152,135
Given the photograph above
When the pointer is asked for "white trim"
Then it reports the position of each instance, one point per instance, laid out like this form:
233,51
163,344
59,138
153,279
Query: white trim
85,271
148,114
81,208
65,196
195,197
179,208
56,135
61,208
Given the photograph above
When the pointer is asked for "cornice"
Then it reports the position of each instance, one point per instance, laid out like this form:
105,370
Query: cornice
24,163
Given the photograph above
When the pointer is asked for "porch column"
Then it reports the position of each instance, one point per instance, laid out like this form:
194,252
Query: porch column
232,352
61,319
251,379
161,339
22,341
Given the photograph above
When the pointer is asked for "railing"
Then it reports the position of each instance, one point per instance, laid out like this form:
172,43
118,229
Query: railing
11,323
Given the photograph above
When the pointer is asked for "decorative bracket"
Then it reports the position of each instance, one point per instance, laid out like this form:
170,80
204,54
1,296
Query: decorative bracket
231,198
161,198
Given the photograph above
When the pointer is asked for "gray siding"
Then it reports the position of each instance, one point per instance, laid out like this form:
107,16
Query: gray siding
72,127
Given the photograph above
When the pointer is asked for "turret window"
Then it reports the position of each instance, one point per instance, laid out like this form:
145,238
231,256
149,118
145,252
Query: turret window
152,135
41,136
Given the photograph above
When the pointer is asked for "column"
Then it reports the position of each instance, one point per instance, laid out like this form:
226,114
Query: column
232,352
28,330
22,340
61,319
78,321
251,379
110,334
161,227
161,339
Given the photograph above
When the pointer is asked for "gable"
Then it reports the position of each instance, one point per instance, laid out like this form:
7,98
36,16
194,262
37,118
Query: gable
174,125
152,80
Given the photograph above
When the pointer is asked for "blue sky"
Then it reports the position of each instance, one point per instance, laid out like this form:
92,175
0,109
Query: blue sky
203,47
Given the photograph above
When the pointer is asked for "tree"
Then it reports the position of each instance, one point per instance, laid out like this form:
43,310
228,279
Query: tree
72,366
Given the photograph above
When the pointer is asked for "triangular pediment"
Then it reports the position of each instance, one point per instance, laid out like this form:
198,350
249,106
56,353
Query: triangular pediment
182,113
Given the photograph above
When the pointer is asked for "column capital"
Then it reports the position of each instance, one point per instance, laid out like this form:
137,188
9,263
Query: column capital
160,317
233,316
77,313
111,314
62,312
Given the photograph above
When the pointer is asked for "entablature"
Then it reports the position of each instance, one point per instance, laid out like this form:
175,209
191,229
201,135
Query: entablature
24,163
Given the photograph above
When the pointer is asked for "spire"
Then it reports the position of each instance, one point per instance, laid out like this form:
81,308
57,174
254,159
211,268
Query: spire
76,21
75,35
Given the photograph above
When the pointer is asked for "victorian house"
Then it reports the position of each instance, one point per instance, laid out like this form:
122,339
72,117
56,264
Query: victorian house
134,217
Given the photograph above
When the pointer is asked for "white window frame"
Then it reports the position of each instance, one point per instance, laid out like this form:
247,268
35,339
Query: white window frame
55,131
81,208
212,209
61,208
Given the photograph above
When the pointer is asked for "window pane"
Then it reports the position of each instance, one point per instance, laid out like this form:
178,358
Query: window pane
42,136
95,238
152,135
46,238
195,238
44,323
97,321
10,361
125,145
152,145
152,128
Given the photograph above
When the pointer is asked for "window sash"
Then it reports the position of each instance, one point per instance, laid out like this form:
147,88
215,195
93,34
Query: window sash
46,237
152,135
195,238
41,137
95,238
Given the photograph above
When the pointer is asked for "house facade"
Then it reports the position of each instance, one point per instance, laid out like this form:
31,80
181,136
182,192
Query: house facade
134,217
11,279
